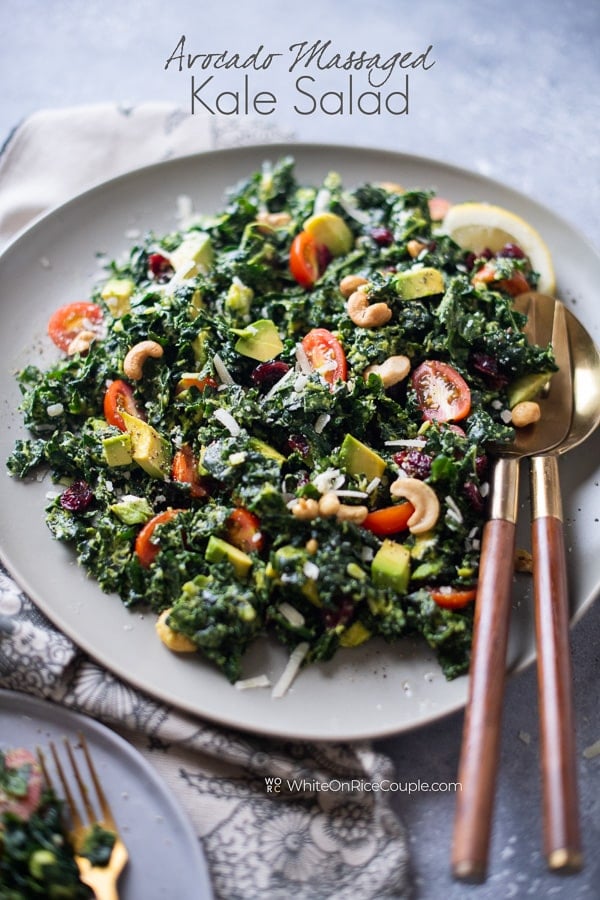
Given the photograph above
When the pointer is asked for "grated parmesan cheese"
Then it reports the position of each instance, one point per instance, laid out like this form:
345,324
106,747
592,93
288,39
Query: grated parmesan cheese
592,751
290,613
256,681
279,384
222,370
321,422
300,383
416,442
311,570
329,480
226,419
291,670
303,360
360,494
453,510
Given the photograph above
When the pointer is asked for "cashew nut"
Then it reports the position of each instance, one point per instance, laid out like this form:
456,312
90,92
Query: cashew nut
415,247
391,187
268,221
356,514
525,413
179,643
523,561
81,343
351,283
133,363
305,508
424,500
391,371
365,315
329,505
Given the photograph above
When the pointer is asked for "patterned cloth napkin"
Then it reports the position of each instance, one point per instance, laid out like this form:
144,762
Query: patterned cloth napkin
317,844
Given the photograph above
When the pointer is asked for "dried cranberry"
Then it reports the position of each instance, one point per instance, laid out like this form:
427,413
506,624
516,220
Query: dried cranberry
77,497
382,236
512,251
266,374
415,463
298,444
473,495
159,267
489,367
324,257
334,617
481,465
470,260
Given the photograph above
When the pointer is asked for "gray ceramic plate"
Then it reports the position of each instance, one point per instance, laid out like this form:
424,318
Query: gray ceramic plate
165,859
371,691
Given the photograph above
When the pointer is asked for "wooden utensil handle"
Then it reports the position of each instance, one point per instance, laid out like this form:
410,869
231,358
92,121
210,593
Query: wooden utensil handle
482,727
562,838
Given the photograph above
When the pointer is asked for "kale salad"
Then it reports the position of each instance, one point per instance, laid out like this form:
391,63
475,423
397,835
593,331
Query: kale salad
36,856
276,420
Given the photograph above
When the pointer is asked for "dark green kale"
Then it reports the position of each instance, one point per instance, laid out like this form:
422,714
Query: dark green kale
259,443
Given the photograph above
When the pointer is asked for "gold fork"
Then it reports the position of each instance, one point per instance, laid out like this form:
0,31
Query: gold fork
101,879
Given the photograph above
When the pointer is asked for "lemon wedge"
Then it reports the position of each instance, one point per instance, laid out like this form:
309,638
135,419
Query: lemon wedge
476,226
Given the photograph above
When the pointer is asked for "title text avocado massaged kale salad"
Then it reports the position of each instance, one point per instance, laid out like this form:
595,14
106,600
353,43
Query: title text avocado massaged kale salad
276,419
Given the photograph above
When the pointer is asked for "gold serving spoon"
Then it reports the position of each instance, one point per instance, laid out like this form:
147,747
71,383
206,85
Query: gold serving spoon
481,734
562,839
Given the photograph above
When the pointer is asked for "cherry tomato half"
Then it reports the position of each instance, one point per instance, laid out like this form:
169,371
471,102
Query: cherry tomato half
389,520
451,598
326,355
243,530
27,800
516,284
184,469
68,321
442,393
304,259
146,550
438,207
118,396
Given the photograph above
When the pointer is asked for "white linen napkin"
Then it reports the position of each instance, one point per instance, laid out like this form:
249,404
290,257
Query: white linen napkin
334,845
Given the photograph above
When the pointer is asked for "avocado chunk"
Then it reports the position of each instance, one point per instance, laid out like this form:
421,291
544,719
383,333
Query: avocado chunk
358,459
260,340
117,295
239,297
527,387
194,255
418,283
117,450
266,450
391,566
355,635
132,510
217,550
329,229
148,448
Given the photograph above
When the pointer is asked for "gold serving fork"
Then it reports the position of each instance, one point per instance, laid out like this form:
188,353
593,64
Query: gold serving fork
101,879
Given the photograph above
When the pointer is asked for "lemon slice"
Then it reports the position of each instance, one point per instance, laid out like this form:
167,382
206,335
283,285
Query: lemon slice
476,226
